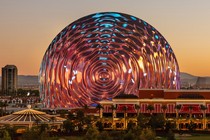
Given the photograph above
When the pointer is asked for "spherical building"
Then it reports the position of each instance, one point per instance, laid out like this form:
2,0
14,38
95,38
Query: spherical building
102,55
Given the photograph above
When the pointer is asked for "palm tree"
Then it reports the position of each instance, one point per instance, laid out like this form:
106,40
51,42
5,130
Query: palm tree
1,106
63,113
137,107
53,119
99,107
85,107
37,121
177,108
203,108
125,108
5,104
113,108
164,108
190,110
80,115
70,116
150,108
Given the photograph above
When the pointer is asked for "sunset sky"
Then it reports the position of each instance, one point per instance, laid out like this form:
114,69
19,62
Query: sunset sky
27,27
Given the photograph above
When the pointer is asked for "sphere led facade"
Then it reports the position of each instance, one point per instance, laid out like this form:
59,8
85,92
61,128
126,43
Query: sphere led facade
102,55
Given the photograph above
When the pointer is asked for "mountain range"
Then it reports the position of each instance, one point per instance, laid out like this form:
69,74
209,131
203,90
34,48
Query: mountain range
187,80
30,81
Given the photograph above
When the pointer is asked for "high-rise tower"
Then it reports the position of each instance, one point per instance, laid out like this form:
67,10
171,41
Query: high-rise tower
9,79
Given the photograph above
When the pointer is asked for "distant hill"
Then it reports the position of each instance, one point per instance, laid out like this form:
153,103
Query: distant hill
187,80
203,82
185,75
27,81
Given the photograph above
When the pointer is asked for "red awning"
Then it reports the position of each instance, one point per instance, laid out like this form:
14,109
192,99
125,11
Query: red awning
186,108
130,108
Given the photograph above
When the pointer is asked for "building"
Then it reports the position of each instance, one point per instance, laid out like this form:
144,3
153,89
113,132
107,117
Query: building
28,118
102,55
9,80
181,107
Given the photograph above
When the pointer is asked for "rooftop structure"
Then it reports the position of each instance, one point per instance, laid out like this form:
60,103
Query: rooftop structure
30,117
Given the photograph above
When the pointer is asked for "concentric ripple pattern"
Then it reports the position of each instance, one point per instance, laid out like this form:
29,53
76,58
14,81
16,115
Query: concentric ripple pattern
101,55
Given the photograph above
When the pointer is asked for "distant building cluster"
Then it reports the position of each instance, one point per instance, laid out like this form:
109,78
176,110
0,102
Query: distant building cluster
19,101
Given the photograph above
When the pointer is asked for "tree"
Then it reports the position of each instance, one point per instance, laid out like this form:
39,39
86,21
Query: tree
88,121
6,135
164,108
157,121
142,121
70,116
100,126
63,113
137,107
169,126
104,136
1,106
177,108
11,130
31,134
130,125
99,107
86,107
170,135
80,119
37,121
191,126
129,136
150,108
34,134
116,135
190,110
5,104
68,126
113,108
53,119
147,134
43,127
203,109
80,115
92,134
125,108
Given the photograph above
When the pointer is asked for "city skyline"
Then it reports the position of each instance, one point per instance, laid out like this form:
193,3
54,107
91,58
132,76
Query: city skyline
28,27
